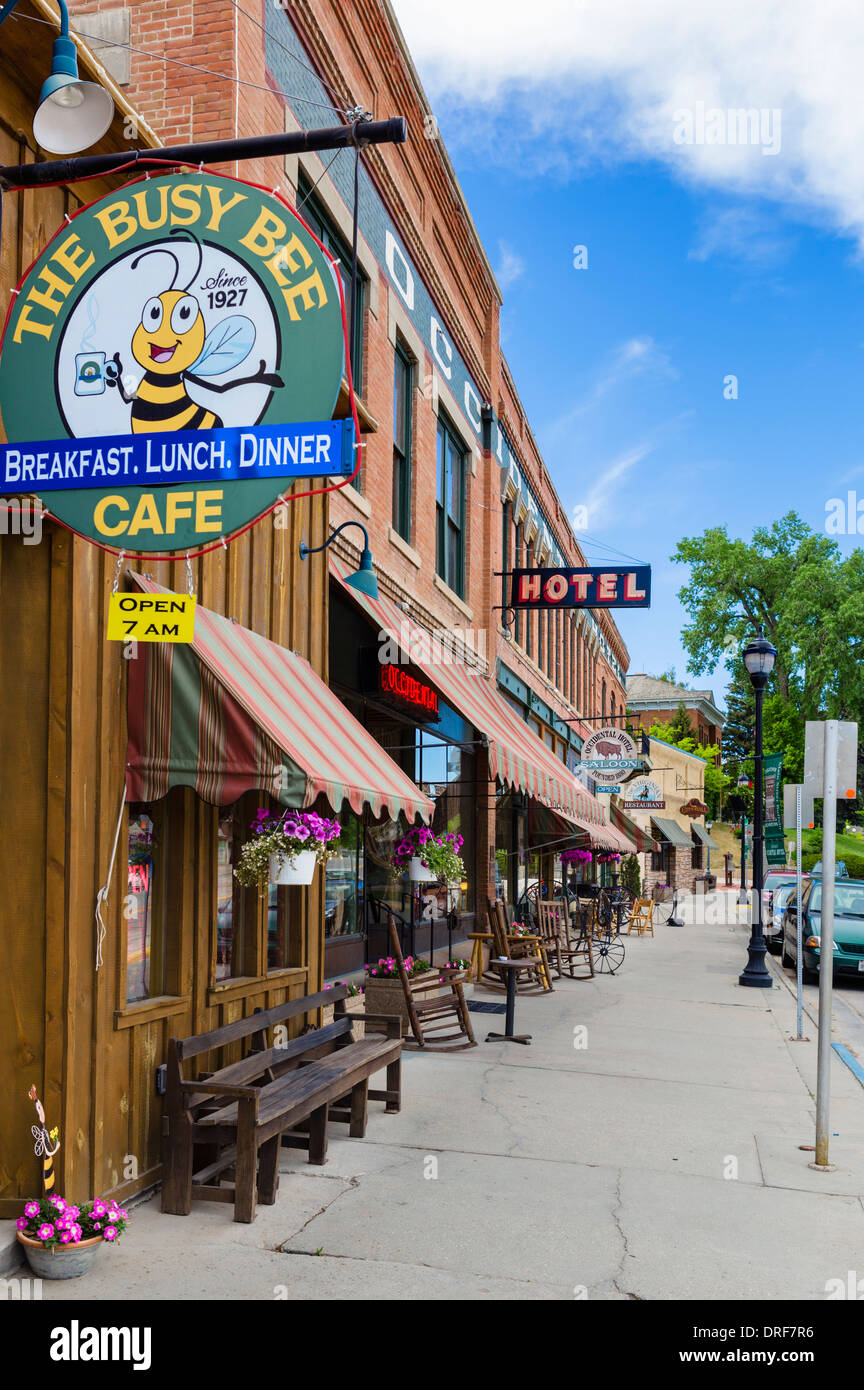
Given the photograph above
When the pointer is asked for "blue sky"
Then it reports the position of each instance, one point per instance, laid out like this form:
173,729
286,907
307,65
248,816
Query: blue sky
702,262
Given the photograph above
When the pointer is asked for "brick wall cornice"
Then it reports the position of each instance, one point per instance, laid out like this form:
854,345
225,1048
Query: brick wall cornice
435,172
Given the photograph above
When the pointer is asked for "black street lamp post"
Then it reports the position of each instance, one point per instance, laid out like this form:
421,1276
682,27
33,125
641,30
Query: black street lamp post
759,658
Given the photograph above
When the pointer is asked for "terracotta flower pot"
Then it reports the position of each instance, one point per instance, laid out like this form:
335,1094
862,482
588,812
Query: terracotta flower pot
63,1261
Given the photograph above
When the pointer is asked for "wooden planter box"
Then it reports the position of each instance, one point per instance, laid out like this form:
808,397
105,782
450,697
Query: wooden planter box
354,1004
387,997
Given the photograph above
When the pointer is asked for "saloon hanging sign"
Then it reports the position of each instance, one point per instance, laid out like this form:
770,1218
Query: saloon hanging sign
171,362
594,587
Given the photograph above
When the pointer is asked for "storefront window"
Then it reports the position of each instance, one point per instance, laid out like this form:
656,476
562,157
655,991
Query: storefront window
229,897
343,900
446,773
278,920
144,906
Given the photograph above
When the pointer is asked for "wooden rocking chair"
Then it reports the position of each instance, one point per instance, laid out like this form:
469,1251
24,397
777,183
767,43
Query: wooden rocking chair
441,1010
550,916
514,947
573,944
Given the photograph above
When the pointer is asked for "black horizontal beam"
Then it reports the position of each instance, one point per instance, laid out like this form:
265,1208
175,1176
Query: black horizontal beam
391,132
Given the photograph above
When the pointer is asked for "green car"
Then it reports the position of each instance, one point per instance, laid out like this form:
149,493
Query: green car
848,958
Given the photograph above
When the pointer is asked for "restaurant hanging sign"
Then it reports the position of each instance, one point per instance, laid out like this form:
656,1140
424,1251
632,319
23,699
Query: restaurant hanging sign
643,794
171,362
594,587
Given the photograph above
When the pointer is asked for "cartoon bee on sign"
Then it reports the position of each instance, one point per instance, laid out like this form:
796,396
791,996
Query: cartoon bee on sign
173,346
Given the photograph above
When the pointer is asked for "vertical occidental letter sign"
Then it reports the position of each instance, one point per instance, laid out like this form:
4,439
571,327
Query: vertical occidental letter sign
170,362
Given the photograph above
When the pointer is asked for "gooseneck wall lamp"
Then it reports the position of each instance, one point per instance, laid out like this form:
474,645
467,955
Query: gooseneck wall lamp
72,115
364,580
759,658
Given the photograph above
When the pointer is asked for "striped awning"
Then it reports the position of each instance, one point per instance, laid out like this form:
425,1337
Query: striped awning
606,837
517,757
235,712
641,838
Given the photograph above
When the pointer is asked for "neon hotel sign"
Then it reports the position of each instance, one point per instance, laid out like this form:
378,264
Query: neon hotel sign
597,587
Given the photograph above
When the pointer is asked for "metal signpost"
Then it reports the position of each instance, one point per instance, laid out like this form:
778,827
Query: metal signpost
794,794
831,750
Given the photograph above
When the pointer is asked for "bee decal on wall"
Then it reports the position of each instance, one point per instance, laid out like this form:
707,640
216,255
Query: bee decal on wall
172,345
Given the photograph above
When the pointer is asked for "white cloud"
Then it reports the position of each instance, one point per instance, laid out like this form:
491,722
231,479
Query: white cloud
636,357
608,487
510,267
570,81
741,234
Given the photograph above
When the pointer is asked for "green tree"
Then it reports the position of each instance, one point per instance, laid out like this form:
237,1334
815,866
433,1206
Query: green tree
796,587
738,725
681,725
631,877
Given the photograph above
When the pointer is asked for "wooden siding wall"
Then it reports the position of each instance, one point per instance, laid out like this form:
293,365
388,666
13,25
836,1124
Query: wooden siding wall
63,1026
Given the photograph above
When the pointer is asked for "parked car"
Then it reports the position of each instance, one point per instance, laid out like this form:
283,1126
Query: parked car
772,921
773,879
848,958
840,870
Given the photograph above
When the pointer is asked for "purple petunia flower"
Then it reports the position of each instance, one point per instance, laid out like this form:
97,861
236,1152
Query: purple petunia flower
110,1233
45,1231
31,1209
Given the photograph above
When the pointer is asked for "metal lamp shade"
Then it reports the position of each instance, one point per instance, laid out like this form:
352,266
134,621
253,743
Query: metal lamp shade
364,580
72,115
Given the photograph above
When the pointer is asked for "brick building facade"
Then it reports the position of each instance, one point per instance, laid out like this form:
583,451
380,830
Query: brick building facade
452,486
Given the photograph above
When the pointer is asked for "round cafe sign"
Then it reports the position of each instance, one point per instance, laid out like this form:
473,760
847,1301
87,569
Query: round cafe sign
166,325
608,745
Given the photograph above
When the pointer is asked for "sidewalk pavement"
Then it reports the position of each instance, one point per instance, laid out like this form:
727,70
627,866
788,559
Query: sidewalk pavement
659,1160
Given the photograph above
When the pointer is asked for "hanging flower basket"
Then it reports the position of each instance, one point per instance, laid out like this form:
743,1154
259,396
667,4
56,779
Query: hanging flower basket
576,856
300,869
285,848
62,1240
437,854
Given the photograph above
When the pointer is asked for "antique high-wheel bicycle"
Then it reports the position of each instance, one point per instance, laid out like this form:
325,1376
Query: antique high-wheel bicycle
611,909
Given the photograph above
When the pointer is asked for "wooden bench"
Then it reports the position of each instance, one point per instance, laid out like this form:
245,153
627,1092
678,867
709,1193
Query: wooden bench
236,1118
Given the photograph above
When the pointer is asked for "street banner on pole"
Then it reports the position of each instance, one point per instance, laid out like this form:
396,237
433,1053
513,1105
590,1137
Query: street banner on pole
775,845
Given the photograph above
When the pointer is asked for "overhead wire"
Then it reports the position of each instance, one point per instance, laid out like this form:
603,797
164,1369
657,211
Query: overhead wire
179,62
285,49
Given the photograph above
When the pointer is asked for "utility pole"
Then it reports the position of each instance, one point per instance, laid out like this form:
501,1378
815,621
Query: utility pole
826,946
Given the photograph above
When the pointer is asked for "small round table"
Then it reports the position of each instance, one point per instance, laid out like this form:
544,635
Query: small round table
512,967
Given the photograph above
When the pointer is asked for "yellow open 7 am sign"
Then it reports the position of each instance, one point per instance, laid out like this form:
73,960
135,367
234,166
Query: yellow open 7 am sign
151,618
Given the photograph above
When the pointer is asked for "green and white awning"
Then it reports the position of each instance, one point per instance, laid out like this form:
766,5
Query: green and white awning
670,830
235,713
702,834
